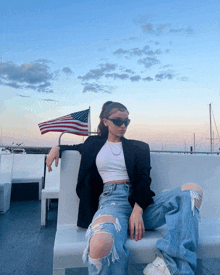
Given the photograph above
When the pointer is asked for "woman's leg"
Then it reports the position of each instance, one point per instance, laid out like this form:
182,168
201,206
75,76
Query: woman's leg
107,234
178,208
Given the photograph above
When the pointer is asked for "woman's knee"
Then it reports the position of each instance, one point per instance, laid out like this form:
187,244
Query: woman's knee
195,187
192,186
101,242
100,245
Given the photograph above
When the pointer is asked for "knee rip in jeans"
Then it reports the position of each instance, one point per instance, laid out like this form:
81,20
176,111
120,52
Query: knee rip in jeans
196,194
95,229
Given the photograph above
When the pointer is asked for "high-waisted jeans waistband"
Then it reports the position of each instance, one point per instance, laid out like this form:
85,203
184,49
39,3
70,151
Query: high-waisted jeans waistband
127,182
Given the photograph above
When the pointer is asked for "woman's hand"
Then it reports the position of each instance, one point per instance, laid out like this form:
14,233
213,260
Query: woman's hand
53,155
136,224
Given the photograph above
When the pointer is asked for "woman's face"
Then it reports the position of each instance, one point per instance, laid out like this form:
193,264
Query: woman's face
113,130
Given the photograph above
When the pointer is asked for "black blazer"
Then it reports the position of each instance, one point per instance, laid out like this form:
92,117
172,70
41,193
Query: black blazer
90,184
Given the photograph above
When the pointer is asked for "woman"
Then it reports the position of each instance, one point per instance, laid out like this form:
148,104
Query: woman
114,191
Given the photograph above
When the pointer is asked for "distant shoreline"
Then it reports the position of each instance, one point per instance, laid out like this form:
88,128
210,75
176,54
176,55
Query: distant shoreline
46,150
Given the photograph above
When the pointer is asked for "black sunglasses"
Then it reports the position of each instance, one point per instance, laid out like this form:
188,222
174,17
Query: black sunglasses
118,122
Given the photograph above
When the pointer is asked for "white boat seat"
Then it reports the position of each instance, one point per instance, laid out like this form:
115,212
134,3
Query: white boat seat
169,170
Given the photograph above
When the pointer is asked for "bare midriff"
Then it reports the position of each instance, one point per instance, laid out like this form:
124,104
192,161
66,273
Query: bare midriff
117,181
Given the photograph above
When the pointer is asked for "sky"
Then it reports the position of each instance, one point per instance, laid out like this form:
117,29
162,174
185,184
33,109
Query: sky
158,58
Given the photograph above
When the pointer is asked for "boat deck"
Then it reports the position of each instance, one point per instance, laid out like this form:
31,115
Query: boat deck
27,249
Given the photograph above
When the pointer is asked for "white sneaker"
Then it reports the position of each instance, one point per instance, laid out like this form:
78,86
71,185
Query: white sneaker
157,267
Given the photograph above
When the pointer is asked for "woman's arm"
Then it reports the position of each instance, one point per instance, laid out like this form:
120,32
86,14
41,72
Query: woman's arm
56,152
53,155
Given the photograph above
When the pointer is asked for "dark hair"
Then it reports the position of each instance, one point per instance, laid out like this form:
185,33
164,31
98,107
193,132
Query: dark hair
106,112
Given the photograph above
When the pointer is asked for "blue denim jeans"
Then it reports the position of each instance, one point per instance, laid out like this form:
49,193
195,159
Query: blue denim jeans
174,207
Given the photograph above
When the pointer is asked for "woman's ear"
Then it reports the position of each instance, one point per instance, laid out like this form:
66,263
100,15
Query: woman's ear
105,121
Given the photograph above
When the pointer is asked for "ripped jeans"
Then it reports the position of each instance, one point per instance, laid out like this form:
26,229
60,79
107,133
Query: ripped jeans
174,207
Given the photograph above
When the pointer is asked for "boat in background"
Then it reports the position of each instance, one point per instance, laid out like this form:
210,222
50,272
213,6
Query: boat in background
18,151
3,150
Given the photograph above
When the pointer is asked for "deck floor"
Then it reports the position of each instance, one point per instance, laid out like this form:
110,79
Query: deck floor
27,249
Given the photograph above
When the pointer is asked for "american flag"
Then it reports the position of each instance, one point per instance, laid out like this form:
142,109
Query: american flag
73,122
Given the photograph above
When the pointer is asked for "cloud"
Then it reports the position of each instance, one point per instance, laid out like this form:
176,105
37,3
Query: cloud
148,28
129,39
135,78
148,78
98,73
47,91
149,61
33,75
124,77
31,87
43,87
141,19
23,95
96,88
162,27
129,71
117,76
188,30
14,85
67,70
157,30
184,78
175,30
164,75
133,38
137,51
167,66
120,51
48,99
41,60
154,42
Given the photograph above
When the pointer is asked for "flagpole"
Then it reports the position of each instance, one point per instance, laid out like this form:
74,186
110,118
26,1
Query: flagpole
89,121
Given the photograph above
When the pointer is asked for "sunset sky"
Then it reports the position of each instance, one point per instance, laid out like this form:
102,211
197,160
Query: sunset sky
159,58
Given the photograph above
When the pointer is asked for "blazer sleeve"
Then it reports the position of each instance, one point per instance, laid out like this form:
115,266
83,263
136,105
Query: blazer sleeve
77,147
141,192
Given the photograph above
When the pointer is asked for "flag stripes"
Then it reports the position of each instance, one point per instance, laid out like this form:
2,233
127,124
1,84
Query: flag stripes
73,122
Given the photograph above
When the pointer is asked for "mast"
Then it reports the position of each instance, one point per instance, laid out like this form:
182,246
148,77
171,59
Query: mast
213,145
210,116
194,138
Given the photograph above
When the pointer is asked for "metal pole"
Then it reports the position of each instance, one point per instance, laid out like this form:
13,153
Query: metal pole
210,115
194,142
213,145
72,132
89,120
45,167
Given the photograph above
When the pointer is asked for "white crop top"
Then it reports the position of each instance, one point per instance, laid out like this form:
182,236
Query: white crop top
110,162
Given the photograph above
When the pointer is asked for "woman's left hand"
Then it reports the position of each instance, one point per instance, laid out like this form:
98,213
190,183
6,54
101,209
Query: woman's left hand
136,224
